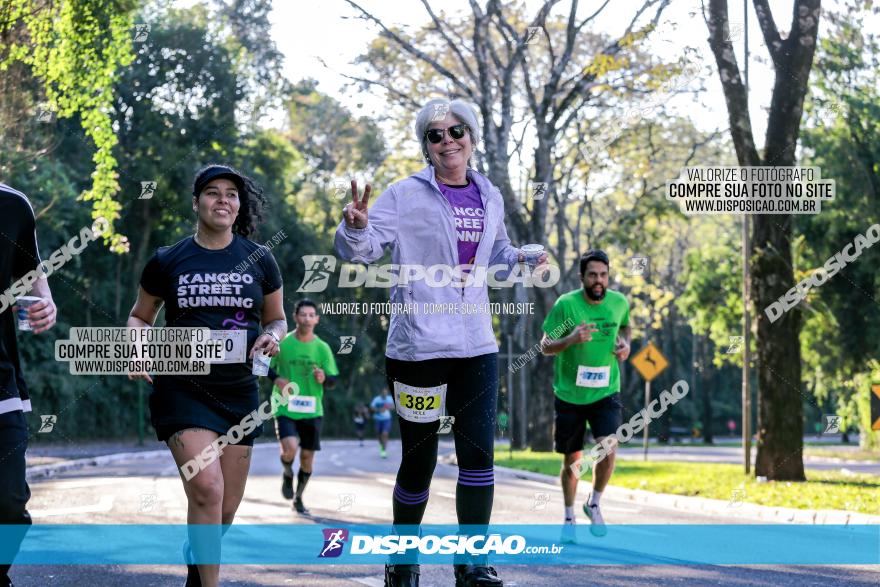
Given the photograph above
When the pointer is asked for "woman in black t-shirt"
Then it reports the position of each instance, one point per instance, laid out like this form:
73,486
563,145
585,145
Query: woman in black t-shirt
217,279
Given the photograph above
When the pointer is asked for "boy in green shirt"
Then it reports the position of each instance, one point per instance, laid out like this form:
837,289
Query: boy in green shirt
306,363
582,332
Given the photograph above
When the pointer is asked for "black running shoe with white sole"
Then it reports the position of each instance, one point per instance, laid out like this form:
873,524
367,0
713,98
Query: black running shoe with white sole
476,576
402,575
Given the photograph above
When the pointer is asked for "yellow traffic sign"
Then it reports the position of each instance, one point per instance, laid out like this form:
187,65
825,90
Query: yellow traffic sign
650,362
875,407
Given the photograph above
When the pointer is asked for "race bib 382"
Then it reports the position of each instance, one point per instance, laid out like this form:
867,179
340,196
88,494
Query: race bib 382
419,404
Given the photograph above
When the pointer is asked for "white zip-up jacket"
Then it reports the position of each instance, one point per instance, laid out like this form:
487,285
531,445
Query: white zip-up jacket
415,220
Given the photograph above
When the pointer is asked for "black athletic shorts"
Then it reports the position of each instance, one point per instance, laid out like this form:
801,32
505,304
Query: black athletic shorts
605,417
175,408
307,429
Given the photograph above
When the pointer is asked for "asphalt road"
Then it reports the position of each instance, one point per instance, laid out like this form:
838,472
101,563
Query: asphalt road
352,484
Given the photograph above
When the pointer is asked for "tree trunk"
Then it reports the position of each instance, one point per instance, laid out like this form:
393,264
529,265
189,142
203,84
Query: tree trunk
142,253
780,411
706,386
540,408
780,393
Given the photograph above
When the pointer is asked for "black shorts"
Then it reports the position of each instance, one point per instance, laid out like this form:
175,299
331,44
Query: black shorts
175,409
605,417
307,429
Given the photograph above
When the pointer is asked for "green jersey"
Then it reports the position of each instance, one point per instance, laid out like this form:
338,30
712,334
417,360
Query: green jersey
295,362
587,372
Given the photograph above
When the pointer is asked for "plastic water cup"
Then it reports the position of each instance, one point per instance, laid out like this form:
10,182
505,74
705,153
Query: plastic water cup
23,303
531,253
261,364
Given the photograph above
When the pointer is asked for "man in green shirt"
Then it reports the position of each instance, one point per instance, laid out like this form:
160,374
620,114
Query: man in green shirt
582,331
306,364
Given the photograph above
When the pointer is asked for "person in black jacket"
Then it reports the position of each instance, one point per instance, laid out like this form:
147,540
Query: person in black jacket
19,261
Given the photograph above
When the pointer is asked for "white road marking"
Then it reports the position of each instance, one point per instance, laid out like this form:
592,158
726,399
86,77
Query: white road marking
79,483
445,494
614,508
105,504
370,581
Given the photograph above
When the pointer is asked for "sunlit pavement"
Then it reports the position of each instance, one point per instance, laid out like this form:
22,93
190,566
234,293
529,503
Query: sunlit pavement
351,484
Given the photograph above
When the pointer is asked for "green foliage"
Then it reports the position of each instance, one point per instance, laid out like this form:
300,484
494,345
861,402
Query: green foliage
202,86
712,297
75,49
841,334
193,93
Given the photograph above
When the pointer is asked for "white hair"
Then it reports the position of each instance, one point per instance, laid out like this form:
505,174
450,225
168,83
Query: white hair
438,108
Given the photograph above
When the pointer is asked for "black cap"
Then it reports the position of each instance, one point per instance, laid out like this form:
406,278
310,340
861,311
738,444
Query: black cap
212,172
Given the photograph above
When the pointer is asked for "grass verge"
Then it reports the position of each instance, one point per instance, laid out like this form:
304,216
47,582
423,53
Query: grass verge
822,490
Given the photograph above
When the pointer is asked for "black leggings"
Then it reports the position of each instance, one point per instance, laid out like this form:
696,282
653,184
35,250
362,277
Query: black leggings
14,490
471,397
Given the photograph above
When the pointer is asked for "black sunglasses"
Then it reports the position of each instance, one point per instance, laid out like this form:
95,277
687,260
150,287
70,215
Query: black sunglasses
435,135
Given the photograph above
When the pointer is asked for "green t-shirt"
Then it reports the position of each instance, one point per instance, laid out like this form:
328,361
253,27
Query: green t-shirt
294,362
587,372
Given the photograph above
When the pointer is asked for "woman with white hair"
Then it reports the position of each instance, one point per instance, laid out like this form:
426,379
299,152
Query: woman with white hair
441,360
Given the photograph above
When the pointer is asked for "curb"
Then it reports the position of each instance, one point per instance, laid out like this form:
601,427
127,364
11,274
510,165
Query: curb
745,510
838,461
689,503
45,471
36,472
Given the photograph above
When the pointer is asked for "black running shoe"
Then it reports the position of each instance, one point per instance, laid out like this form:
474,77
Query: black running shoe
193,579
476,576
402,575
300,508
286,486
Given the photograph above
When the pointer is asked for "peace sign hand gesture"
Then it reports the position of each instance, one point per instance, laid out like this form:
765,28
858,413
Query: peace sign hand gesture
355,212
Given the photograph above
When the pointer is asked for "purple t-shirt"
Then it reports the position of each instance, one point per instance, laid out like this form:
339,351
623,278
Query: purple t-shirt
467,209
